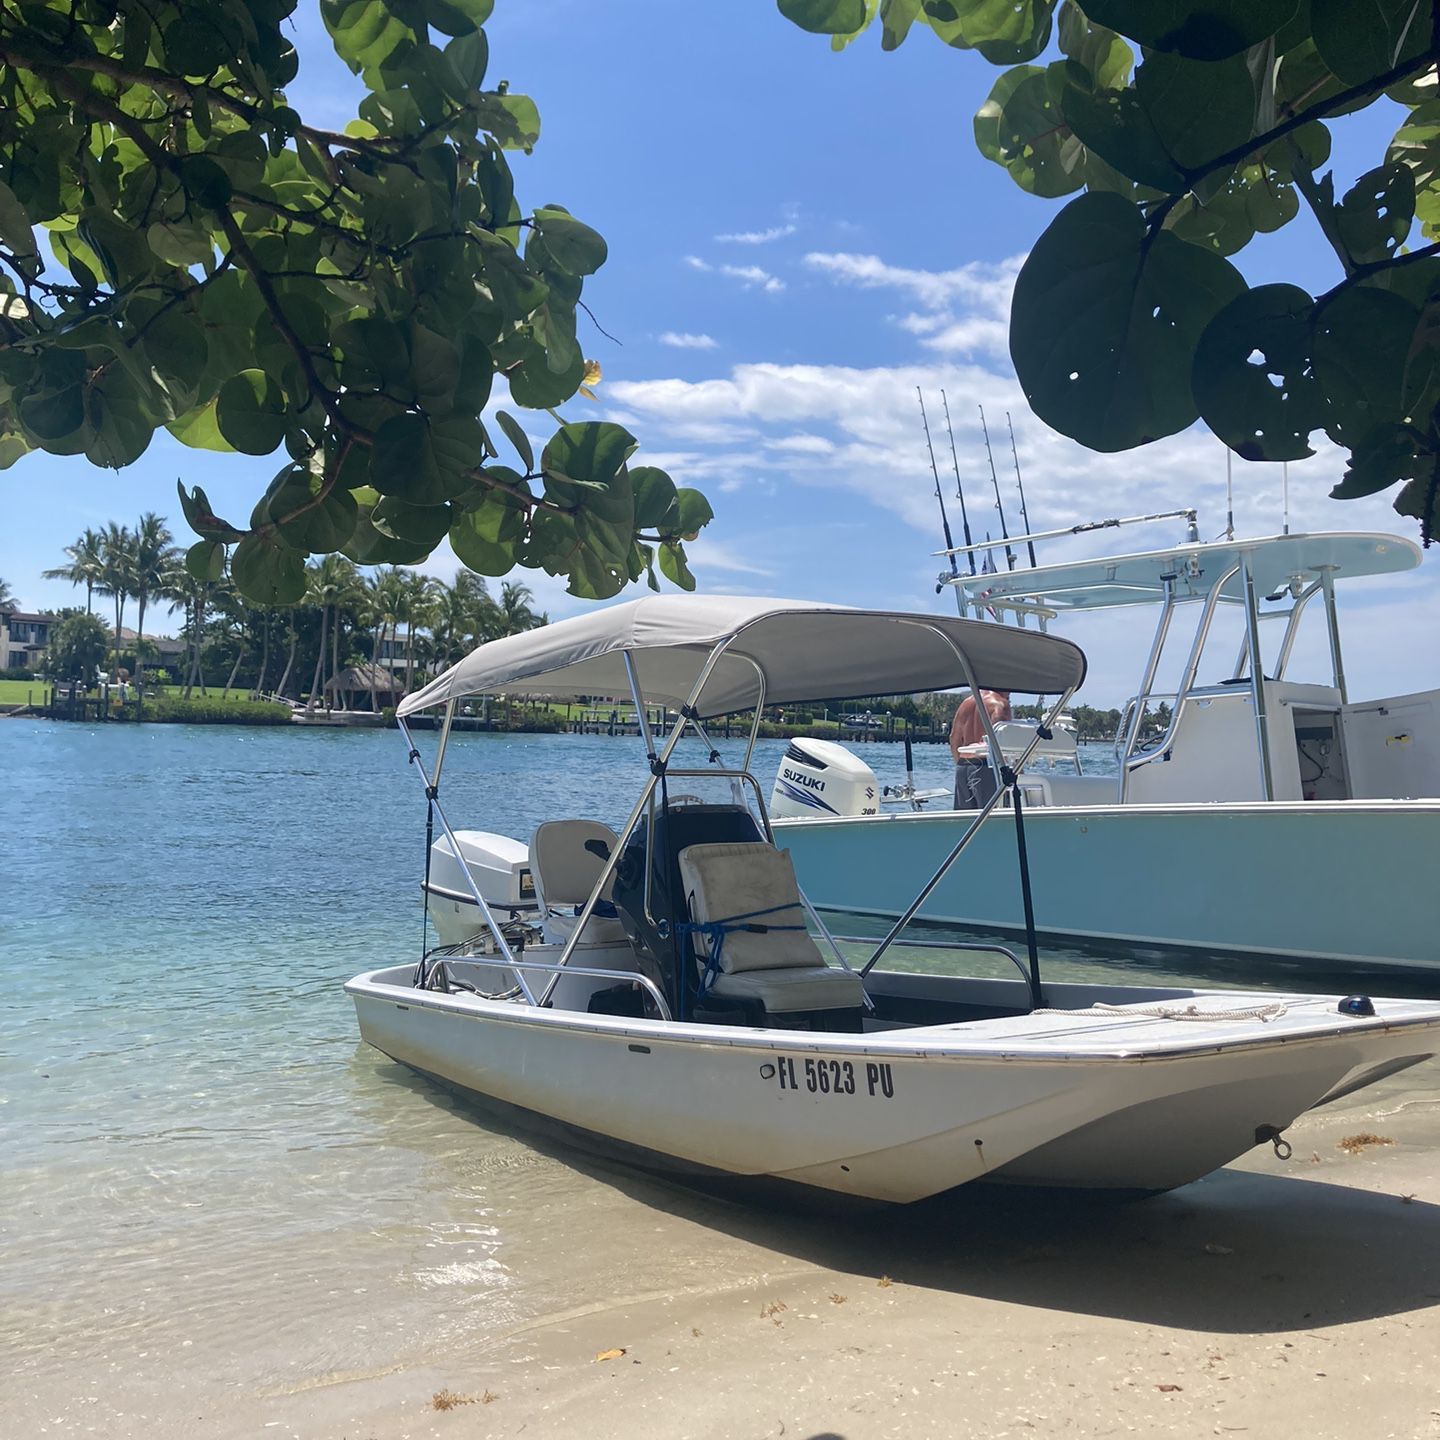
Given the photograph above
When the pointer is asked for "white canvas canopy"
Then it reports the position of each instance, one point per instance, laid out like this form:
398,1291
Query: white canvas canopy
781,651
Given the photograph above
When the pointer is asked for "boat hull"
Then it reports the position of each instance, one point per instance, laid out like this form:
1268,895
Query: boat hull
895,1116
1349,883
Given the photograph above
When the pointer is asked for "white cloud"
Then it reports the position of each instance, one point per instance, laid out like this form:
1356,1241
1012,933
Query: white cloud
757,237
706,554
683,340
967,310
749,275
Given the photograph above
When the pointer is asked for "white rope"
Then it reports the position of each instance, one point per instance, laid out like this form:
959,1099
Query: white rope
1263,1013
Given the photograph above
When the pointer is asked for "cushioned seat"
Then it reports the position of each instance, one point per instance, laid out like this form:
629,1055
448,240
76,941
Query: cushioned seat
765,953
566,858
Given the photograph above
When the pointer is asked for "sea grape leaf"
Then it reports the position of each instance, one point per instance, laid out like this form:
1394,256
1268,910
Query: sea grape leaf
1105,320
1196,29
1252,377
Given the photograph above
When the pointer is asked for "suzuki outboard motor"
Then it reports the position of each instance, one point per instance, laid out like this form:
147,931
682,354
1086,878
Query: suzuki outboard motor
818,779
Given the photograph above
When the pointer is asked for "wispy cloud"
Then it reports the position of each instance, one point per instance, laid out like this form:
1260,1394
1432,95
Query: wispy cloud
751,276
757,237
683,340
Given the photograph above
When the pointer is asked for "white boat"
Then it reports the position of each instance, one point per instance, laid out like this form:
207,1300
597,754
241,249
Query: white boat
1247,821
700,1027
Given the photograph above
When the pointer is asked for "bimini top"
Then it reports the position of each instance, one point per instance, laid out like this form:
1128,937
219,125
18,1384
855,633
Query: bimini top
803,651
1113,580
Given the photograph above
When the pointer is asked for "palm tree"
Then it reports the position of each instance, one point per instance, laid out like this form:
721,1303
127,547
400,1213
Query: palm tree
154,554
7,595
117,572
86,567
464,615
180,586
516,609
420,595
334,585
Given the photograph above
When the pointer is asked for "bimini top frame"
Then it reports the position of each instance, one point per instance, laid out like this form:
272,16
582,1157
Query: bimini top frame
714,655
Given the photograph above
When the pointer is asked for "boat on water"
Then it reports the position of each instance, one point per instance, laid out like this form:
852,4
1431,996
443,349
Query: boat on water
1262,814
668,998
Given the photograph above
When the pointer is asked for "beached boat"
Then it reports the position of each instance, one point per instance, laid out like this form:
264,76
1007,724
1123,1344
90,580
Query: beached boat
690,1021
1247,821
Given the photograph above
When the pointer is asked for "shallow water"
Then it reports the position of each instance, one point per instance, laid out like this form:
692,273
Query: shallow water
206,1182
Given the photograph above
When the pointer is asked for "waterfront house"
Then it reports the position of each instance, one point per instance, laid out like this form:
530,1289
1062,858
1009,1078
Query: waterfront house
23,638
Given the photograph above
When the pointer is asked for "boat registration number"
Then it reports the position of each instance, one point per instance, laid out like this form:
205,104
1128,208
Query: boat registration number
833,1077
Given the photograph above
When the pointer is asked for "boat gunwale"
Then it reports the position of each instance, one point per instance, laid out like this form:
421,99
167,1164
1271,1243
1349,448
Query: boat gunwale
943,1048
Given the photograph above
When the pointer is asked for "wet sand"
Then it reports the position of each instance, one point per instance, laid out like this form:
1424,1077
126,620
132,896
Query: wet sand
1298,1298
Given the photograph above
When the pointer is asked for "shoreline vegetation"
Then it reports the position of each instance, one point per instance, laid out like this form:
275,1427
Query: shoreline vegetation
346,654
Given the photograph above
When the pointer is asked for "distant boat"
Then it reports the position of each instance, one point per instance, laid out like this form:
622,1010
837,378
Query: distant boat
1271,815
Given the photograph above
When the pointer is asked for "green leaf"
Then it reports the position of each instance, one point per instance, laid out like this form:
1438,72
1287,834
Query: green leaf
516,292
592,450
693,512
1361,343
420,524
1360,39
201,517
1022,127
181,243
656,502
120,430
673,565
1252,377
1105,57
200,430
1118,128
15,229
574,246
250,412
195,45
425,461
1382,457
1199,110
1197,29
517,437
205,560
267,572
324,519
825,17
1105,320
535,386
1376,214
480,552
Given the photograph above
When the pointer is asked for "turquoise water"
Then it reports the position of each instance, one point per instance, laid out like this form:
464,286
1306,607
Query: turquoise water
206,1182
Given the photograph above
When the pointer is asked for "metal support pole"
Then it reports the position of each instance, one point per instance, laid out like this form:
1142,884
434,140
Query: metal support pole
485,912
1292,628
657,768
1257,677
1332,622
1147,679
971,831
444,741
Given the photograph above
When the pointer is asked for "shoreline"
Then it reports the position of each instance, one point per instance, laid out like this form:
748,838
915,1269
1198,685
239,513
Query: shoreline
1270,1298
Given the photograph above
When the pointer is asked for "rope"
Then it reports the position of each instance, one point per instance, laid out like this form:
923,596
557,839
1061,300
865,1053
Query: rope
715,931
1263,1013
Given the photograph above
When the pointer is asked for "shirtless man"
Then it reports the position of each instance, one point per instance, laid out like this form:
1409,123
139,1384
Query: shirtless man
975,780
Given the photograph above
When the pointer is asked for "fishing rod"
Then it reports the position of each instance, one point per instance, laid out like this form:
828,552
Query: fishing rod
944,517
1192,536
995,481
1020,484
959,488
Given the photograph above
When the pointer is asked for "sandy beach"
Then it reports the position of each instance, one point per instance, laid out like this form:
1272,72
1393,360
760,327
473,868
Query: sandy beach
1295,1298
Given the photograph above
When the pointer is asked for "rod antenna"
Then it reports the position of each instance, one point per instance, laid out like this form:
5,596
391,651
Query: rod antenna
1229,496
995,482
959,489
1020,485
1285,494
940,497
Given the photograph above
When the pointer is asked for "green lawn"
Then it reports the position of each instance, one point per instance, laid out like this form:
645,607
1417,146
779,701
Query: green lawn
19,692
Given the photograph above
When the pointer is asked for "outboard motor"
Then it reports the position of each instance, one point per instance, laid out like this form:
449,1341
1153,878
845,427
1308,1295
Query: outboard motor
818,779
500,868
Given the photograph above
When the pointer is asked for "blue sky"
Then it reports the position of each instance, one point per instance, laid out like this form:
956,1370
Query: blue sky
797,239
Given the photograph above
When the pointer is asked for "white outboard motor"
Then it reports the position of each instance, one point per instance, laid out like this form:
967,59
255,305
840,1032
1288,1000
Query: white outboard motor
500,868
818,779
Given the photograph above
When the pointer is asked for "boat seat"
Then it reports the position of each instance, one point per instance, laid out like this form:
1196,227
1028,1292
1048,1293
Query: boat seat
566,858
747,924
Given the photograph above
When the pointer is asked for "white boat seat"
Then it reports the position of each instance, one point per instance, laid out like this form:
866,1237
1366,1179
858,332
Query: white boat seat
766,955
566,858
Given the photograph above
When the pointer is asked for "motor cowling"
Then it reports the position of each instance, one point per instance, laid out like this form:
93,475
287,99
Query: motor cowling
818,779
